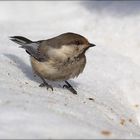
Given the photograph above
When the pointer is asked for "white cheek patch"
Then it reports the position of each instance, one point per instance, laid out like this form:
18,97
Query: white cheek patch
63,53
67,49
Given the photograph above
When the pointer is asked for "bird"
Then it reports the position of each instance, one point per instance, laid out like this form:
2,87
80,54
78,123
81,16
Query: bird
59,58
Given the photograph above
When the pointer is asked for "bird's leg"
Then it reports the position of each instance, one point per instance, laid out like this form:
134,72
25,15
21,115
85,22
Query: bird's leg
70,88
45,84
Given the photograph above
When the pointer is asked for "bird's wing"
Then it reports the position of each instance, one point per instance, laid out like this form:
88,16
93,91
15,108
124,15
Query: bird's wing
40,49
33,50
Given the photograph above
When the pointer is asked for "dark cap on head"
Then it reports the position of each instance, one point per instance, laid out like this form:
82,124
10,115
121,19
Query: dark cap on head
68,39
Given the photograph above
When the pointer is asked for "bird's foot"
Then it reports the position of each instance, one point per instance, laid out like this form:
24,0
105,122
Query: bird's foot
70,88
45,84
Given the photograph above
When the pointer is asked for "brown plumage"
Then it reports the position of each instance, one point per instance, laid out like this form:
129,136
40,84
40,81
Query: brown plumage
57,59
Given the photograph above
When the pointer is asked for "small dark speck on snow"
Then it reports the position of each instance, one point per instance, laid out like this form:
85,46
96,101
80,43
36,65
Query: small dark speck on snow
106,132
91,99
26,83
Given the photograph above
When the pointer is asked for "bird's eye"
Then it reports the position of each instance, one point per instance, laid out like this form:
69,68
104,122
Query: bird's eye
77,42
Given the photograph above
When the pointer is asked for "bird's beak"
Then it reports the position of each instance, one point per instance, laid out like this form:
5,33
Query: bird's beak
91,45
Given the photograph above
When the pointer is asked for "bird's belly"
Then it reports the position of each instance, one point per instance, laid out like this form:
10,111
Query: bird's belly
58,71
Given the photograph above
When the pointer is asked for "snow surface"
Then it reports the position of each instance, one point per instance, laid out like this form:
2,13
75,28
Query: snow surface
111,76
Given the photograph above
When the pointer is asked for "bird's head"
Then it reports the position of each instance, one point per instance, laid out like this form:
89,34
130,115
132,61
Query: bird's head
75,43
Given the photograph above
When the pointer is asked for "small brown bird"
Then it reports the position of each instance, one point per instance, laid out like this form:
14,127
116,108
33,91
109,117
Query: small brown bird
56,59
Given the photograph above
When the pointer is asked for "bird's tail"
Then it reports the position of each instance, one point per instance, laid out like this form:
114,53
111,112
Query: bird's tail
20,40
30,47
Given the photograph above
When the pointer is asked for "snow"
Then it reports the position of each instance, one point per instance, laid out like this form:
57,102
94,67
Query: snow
111,77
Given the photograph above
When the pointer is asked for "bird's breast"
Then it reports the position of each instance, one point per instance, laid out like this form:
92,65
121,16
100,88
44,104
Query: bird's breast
56,70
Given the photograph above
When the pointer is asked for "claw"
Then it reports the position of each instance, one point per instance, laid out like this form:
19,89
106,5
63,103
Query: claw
70,88
49,86
42,85
46,85
65,86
